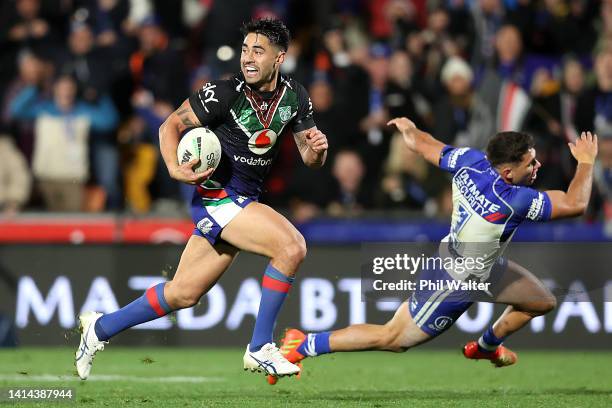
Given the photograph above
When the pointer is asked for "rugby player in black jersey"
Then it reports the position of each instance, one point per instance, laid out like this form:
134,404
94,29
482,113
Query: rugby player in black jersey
249,113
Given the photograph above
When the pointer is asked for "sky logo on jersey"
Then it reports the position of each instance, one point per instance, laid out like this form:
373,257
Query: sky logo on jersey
261,142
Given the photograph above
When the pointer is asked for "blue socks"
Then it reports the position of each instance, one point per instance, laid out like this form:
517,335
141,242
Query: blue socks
488,342
275,286
315,344
149,306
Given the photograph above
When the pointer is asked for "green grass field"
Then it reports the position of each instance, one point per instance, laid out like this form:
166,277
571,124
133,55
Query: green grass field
166,377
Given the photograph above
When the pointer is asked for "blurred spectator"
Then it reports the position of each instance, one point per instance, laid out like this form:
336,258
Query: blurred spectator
461,26
552,122
345,67
26,27
605,34
502,87
349,197
374,124
15,178
594,110
62,127
488,18
462,118
92,67
402,95
329,118
156,67
408,182
86,63
33,71
105,17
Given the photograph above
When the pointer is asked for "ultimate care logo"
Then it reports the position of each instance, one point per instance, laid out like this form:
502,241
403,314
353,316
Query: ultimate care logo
262,141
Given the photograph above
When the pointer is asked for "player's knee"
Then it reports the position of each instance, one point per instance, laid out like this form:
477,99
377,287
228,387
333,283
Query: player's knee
541,307
391,338
181,298
549,304
186,300
294,251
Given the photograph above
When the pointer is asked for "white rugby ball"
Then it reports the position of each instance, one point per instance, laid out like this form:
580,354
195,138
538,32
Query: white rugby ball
200,143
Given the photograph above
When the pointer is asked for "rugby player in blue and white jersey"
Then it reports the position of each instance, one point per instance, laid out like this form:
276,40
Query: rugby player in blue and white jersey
491,197
250,113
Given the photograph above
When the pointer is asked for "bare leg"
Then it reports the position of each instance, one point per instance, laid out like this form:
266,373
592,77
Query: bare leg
261,230
526,296
200,267
398,334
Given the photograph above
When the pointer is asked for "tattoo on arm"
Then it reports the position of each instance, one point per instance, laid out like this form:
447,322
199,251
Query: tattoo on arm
185,115
300,141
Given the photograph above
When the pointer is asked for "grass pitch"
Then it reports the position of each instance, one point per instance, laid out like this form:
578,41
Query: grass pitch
170,377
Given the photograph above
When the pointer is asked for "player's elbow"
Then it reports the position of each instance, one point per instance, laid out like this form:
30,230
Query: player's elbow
575,209
581,208
569,209
172,122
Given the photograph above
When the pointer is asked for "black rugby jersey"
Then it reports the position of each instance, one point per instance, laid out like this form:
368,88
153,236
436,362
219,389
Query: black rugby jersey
249,125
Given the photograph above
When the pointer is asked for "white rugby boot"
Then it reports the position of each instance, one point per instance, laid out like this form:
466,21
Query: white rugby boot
89,345
270,361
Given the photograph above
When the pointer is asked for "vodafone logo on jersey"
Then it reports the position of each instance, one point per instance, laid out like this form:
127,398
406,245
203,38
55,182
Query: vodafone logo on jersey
262,141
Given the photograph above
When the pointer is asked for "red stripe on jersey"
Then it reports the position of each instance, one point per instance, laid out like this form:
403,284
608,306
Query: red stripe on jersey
217,193
154,302
495,216
276,285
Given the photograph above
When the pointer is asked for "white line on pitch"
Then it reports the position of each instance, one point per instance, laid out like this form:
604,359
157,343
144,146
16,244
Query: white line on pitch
105,377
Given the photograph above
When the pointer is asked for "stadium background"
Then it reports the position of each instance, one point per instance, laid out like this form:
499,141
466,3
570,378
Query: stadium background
89,215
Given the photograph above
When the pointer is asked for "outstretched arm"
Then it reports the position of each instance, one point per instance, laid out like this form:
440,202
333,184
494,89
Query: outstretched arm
418,141
169,135
312,144
574,202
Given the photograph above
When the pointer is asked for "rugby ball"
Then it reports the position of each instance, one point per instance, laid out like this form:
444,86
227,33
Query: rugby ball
200,143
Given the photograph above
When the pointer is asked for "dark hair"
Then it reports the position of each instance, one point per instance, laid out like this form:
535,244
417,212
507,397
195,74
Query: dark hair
274,30
508,147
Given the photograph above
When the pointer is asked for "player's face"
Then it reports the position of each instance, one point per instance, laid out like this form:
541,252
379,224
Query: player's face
526,172
260,61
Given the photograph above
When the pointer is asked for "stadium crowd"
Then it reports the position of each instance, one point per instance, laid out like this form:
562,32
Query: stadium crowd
85,85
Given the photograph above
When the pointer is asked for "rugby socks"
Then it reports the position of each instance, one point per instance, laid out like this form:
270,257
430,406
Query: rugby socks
149,306
315,344
488,342
274,290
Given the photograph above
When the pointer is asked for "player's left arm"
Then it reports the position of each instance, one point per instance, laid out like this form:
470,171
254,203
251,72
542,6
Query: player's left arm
312,145
310,141
574,201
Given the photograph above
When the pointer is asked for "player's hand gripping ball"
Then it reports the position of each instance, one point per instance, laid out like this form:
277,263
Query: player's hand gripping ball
199,154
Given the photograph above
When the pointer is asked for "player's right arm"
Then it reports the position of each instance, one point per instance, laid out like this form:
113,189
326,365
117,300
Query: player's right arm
575,200
418,141
170,132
